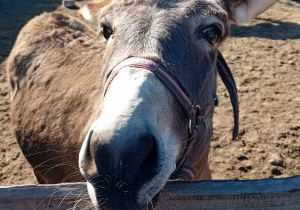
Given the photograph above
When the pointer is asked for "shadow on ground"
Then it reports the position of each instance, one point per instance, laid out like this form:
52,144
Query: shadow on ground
275,30
14,14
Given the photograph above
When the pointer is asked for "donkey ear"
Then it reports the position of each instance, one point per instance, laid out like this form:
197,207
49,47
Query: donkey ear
90,10
243,11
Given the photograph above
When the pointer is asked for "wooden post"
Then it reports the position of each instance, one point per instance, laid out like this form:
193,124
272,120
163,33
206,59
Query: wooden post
273,194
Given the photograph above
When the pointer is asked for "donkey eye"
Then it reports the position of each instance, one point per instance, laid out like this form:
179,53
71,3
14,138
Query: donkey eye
106,31
212,34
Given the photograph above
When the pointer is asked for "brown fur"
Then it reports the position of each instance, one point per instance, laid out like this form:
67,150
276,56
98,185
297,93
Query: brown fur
95,7
52,126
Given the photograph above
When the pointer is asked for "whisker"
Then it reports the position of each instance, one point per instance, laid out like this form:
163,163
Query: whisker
121,185
78,199
150,201
50,160
65,198
36,153
60,164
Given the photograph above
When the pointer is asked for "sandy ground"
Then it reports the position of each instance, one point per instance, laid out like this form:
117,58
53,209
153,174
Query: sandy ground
265,60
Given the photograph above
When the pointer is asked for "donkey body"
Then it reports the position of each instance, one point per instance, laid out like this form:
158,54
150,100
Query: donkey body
131,130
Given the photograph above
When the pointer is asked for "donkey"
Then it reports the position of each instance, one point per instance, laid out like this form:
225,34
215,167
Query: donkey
134,98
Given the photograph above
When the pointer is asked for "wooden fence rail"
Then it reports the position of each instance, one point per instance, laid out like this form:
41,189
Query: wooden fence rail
273,194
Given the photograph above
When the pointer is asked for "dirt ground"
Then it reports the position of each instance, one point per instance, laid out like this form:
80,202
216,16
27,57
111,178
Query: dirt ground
265,61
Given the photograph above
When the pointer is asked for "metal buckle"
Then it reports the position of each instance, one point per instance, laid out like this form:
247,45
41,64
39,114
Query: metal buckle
190,127
198,108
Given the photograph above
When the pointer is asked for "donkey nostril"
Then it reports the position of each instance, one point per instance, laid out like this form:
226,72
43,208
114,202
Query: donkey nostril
141,163
86,161
88,149
151,155
149,166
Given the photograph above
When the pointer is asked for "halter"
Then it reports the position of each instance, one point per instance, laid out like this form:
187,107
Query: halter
196,115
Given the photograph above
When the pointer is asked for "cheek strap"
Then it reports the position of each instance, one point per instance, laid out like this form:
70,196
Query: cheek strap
185,171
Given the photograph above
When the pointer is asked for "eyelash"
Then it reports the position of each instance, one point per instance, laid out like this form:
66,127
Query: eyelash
106,29
212,38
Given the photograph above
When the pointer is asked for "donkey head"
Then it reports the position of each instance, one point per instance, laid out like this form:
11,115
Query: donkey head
144,130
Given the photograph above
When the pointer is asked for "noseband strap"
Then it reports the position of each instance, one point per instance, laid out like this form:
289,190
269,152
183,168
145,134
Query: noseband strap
194,112
155,68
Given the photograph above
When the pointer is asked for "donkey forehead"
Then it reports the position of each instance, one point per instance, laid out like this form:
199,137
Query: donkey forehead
180,8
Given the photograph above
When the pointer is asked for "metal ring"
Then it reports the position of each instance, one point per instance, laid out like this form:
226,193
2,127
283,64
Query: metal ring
217,100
